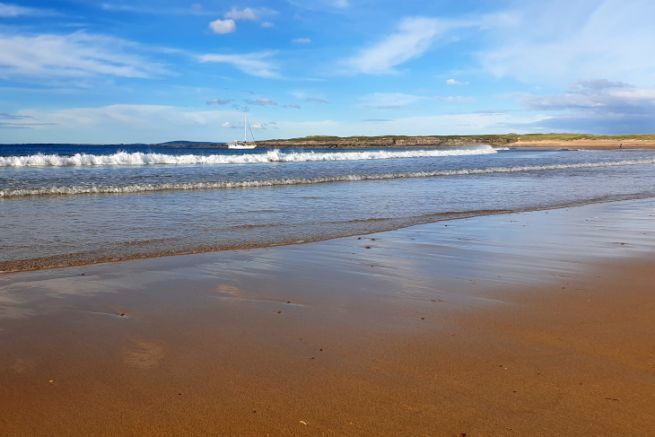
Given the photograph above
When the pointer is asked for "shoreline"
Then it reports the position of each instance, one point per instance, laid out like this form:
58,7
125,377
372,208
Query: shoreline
587,144
84,259
390,142
527,323
583,144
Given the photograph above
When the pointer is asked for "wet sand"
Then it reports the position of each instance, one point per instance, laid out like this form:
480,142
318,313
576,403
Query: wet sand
535,323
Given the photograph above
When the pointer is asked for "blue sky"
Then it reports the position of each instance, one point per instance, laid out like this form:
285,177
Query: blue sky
145,71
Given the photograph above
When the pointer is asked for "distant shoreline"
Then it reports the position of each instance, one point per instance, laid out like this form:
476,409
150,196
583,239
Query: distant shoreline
507,140
547,141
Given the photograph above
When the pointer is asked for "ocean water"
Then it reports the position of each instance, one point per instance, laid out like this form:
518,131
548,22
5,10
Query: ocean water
68,205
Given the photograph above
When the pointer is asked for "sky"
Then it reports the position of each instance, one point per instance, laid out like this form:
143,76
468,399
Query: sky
125,71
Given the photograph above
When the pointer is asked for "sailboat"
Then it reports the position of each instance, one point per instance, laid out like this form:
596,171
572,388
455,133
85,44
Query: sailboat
245,144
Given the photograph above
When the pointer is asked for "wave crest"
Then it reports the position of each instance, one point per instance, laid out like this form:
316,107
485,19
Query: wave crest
141,188
146,158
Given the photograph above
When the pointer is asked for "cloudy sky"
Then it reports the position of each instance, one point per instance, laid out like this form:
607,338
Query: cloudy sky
150,71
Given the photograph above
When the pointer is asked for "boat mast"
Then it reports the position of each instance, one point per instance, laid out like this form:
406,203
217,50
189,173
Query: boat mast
245,127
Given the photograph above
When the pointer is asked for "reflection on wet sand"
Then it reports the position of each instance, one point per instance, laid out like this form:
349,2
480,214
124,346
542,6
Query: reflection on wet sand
489,325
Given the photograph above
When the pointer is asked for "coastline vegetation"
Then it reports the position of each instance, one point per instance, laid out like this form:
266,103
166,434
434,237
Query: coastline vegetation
407,140
510,137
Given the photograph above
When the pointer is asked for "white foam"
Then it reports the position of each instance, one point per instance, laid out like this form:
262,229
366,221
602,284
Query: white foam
141,158
140,188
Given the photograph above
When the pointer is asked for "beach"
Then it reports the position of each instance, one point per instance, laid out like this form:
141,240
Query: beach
327,218
529,323
586,144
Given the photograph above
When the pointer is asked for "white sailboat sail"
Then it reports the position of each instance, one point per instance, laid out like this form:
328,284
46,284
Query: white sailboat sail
245,144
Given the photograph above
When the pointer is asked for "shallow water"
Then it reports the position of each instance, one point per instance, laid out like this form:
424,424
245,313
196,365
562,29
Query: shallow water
79,204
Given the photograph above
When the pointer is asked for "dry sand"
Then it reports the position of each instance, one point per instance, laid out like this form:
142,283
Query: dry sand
587,144
527,324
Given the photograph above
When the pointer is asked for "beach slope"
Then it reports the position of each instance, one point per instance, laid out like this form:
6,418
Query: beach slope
535,323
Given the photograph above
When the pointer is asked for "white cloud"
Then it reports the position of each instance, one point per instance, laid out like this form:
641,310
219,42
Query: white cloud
599,106
256,125
455,82
241,14
412,38
72,56
445,124
17,121
255,64
561,41
389,100
158,123
123,123
8,10
228,24
223,26
301,40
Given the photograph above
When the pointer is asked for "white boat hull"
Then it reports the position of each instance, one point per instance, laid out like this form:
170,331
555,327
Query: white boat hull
241,146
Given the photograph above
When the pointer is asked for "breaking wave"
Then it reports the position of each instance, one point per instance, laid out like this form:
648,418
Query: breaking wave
141,158
140,188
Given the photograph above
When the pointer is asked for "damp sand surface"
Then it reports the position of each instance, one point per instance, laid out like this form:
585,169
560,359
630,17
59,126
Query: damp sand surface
536,323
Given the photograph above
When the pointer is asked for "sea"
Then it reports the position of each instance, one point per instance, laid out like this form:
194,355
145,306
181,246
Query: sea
64,205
